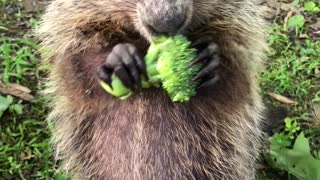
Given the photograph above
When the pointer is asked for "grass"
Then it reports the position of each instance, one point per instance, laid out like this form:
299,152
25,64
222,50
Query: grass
25,151
24,54
293,71
24,137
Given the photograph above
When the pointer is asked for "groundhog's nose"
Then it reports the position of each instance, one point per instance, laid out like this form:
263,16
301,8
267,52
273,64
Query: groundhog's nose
163,18
164,24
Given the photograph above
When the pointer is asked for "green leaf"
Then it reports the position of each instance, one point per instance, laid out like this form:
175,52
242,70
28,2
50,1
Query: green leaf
18,108
4,104
311,7
288,123
297,161
4,28
62,177
297,21
296,3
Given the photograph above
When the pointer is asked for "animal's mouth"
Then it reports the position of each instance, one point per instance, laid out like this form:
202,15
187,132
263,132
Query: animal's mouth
167,32
168,23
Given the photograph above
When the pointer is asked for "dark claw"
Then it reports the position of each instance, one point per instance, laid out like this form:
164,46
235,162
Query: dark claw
210,82
130,65
139,61
126,63
208,56
105,75
208,69
202,42
125,52
141,65
205,54
123,75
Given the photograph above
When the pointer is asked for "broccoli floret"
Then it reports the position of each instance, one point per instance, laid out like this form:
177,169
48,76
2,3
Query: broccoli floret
168,64
168,61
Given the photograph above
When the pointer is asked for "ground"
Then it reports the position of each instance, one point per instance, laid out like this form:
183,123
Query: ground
291,81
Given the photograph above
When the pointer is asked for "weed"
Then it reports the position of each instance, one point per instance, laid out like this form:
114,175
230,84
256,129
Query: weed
293,68
311,7
298,160
293,71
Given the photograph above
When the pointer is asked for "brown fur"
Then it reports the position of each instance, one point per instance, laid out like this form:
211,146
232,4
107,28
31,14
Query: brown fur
215,136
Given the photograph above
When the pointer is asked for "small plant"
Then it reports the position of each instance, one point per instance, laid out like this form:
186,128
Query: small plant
311,7
291,127
284,138
297,21
297,161
5,104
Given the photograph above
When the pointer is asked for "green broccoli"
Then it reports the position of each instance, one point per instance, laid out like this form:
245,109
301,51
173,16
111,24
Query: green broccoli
118,88
168,61
168,64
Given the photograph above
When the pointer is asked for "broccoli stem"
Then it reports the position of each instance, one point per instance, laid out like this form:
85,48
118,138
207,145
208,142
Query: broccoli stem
118,89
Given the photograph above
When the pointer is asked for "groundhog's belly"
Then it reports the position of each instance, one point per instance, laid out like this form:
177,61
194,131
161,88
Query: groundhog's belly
150,136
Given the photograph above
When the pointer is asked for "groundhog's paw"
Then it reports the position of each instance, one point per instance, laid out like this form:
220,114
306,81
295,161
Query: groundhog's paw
208,55
126,63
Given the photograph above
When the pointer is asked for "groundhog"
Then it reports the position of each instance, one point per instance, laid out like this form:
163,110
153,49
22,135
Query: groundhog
216,135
